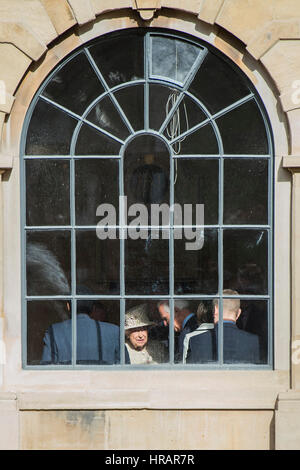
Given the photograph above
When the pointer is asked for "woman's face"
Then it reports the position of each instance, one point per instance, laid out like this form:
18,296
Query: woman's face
138,338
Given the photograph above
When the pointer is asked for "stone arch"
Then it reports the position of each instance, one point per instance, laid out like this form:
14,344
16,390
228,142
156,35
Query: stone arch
34,38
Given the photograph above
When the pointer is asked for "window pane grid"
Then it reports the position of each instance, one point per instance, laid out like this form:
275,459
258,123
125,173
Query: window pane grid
73,227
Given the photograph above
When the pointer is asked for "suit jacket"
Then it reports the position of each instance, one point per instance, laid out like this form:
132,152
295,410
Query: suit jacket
239,346
191,325
97,342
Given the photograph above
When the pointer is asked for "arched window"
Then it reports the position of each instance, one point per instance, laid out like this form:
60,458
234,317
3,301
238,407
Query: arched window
147,190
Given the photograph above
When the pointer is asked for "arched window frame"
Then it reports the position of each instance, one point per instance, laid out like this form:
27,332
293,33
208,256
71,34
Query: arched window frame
210,118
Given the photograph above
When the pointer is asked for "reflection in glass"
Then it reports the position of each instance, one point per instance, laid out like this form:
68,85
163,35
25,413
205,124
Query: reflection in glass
50,205
118,60
96,182
105,115
191,318
196,181
131,100
200,142
246,261
254,320
172,58
92,142
147,263
74,86
196,270
98,262
146,339
48,262
50,131
217,85
243,131
161,100
245,191
146,171
41,314
98,332
187,115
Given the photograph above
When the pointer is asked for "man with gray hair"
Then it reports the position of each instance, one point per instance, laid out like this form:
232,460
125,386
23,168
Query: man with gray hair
185,321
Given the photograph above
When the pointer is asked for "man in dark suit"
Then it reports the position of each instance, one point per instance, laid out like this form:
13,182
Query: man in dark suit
184,322
239,346
97,342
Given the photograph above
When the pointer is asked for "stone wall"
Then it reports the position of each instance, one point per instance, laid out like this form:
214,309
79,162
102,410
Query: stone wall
34,36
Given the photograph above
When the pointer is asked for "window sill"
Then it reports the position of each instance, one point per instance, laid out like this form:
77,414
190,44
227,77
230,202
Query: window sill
158,390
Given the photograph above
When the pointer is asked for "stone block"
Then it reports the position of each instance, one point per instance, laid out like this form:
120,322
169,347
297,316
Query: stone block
245,18
9,429
22,38
12,70
272,32
102,6
209,10
282,62
2,118
30,13
6,103
146,429
60,14
192,6
287,421
83,11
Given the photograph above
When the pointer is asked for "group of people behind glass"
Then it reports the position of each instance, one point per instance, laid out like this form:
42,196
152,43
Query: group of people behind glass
196,336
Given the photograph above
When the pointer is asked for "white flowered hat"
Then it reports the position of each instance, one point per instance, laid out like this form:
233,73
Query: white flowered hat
137,317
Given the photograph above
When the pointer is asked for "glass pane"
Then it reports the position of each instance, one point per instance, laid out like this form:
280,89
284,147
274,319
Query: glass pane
131,100
98,262
50,204
172,58
120,59
49,333
48,262
146,172
243,131
246,261
147,262
74,86
187,115
92,142
217,85
245,191
50,131
146,338
96,183
106,116
196,181
98,331
197,342
201,142
254,319
161,100
196,261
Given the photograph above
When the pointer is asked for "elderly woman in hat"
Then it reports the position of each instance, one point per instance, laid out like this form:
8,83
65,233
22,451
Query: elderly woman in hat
140,349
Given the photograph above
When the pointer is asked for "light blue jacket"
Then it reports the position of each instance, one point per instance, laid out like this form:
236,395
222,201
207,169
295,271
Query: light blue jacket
97,342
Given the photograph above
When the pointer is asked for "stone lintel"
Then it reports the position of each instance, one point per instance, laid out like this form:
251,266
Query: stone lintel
291,162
